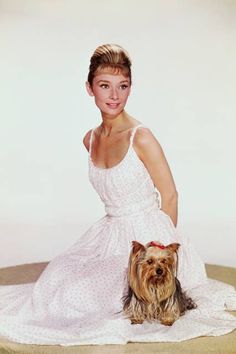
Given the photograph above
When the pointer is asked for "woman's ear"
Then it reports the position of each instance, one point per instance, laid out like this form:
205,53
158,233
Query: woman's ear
89,88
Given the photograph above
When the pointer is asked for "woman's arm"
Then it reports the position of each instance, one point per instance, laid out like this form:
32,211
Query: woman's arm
151,154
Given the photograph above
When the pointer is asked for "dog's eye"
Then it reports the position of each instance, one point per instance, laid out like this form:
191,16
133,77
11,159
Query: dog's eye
149,261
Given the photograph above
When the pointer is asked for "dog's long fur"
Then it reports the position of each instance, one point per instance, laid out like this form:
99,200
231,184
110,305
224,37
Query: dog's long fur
154,292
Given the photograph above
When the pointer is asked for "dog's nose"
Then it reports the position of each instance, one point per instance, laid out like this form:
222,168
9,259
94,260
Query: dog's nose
159,271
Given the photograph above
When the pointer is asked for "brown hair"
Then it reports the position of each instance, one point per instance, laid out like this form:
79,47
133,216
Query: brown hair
111,57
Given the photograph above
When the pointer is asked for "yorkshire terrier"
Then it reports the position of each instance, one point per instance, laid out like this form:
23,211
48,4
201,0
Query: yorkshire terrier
154,292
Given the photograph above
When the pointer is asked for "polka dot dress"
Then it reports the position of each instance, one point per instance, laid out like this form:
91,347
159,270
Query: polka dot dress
77,299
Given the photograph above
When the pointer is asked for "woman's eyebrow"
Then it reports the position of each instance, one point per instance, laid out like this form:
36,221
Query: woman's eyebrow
103,81
121,82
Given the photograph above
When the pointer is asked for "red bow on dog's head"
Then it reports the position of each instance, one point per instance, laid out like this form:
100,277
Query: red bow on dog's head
152,243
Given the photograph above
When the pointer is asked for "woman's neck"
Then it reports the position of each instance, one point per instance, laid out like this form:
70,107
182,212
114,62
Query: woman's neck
111,125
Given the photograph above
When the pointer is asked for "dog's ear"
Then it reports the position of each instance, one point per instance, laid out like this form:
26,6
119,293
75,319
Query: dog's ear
173,247
137,247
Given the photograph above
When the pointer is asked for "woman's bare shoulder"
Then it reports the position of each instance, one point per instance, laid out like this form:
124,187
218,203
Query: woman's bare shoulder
144,136
146,142
86,139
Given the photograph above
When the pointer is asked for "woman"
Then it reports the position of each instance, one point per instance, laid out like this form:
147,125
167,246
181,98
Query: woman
112,136
77,299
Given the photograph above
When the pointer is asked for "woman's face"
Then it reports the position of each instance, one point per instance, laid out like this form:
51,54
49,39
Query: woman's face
110,92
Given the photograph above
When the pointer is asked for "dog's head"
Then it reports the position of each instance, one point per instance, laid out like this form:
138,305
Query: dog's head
152,268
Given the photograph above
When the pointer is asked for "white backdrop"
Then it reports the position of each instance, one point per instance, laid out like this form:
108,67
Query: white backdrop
184,76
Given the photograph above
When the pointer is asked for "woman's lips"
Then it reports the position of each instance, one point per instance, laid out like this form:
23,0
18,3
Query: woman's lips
112,105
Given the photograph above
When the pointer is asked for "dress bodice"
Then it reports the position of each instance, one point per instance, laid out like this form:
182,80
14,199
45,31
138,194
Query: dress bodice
125,188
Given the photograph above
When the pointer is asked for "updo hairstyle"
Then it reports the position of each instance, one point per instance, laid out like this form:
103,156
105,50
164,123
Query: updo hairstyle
112,58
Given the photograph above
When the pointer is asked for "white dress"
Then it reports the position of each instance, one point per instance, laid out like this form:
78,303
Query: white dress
77,298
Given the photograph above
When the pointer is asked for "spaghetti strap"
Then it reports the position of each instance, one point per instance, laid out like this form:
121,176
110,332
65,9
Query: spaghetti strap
90,142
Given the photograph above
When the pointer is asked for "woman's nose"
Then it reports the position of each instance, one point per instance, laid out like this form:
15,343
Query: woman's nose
114,94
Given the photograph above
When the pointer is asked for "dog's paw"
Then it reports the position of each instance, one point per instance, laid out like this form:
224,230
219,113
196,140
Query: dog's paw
167,322
167,319
135,321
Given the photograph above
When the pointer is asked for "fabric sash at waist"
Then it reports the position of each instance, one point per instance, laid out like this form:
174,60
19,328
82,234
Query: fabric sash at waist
132,209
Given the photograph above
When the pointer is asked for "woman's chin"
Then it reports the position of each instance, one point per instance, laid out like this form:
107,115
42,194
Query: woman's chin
111,113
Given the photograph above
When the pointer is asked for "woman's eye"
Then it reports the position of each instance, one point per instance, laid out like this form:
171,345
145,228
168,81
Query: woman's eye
123,87
149,261
104,86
